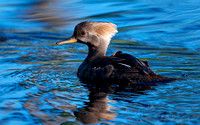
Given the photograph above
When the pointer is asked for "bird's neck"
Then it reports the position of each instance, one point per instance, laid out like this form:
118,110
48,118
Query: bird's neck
97,51
94,52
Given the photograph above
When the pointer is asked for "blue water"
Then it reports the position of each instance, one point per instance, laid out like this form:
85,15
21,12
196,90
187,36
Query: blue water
38,82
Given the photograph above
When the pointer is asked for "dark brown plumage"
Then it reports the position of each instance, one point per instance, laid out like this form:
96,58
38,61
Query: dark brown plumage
121,69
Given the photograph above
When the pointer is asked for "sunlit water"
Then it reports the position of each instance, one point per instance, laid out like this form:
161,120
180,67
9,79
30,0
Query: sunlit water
38,82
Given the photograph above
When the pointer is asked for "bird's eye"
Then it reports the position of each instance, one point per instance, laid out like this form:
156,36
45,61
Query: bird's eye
83,33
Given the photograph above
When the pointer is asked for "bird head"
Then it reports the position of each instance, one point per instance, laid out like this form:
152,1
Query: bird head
92,33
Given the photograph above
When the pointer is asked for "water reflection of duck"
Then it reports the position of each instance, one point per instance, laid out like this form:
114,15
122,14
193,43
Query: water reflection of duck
122,69
96,110
99,109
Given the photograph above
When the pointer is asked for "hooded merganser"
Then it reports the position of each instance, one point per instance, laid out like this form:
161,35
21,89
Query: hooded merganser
120,68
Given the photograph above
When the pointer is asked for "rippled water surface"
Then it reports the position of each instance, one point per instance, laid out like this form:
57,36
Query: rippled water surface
38,82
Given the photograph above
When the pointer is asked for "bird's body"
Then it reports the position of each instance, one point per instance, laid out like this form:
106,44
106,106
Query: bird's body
122,69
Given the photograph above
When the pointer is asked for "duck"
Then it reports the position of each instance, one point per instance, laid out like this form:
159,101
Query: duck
121,69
